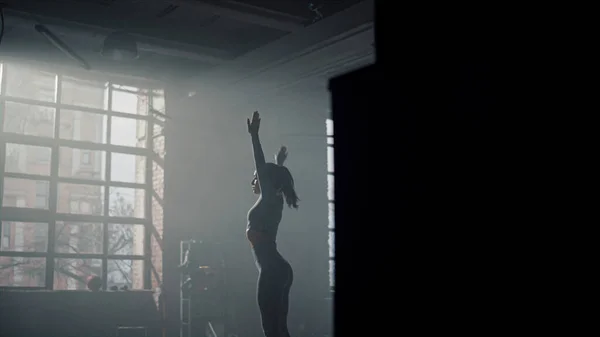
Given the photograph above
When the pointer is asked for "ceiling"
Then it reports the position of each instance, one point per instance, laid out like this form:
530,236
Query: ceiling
177,39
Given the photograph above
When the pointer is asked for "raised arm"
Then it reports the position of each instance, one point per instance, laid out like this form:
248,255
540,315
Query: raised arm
259,156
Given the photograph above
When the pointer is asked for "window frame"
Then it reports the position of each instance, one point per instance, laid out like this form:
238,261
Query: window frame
51,215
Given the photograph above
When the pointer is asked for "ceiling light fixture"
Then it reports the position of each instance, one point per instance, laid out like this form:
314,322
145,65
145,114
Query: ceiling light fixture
120,46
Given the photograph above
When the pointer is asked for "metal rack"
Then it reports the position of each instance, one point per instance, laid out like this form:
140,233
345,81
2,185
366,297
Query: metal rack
200,312
184,301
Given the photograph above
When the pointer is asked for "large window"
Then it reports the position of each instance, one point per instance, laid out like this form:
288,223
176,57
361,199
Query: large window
331,198
81,164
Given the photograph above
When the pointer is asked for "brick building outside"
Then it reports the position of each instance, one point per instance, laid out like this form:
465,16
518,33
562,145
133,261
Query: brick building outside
74,198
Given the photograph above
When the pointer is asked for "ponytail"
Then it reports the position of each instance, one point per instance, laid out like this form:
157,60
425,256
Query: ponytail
287,186
289,192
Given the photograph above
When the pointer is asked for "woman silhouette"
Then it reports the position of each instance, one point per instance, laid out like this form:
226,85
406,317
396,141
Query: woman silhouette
273,183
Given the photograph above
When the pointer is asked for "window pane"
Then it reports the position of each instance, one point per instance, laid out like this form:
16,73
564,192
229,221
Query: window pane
158,141
330,167
21,158
329,127
72,274
27,119
156,261
129,102
24,193
78,238
157,130
125,239
83,126
80,199
128,273
24,237
126,88
42,194
331,215
330,187
158,101
331,242
26,82
158,179
126,202
85,93
155,279
128,132
82,164
332,273
128,168
22,271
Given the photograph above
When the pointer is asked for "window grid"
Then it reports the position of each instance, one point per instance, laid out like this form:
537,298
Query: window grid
2,144
51,215
331,200
105,232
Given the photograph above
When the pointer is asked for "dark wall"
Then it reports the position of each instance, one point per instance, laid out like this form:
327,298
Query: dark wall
76,313
209,166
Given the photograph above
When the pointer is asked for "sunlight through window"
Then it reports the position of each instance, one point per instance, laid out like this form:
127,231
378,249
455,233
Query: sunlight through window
80,152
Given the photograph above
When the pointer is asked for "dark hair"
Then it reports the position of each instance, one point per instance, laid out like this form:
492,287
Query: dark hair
282,180
287,187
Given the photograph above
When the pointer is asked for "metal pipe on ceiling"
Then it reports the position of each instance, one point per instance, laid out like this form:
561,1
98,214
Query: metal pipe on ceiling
58,43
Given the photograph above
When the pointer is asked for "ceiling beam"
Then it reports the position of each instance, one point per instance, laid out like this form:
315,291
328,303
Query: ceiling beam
33,49
328,31
225,8
246,13
77,30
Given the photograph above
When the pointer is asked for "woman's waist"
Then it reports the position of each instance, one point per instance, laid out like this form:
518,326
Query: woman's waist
256,236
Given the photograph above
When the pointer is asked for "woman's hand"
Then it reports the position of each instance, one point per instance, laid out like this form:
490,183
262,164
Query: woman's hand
254,124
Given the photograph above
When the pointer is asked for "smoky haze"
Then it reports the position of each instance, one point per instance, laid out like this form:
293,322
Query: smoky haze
208,194
207,156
